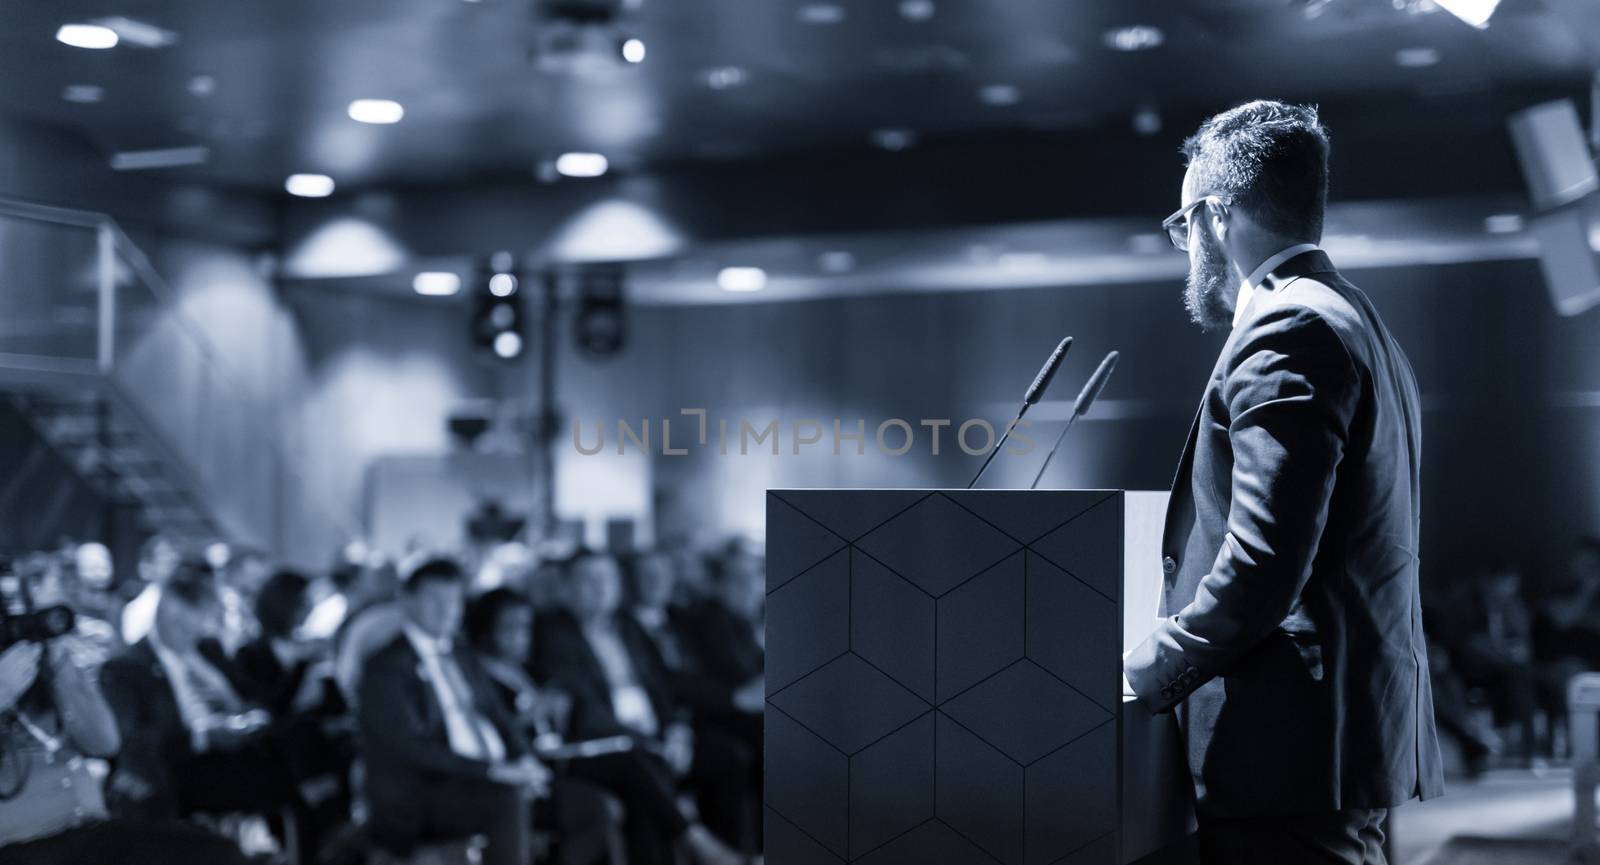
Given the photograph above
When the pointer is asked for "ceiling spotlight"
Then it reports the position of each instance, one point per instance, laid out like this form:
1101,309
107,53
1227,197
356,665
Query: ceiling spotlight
742,279
894,139
1416,58
309,185
820,13
83,94
436,283
725,77
1503,223
581,164
1000,95
377,111
916,10
1139,37
202,86
1147,121
633,51
836,261
502,285
1474,12
92,36
508,344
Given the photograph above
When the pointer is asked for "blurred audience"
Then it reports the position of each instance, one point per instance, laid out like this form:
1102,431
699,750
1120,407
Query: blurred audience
573,712
620,686
443,759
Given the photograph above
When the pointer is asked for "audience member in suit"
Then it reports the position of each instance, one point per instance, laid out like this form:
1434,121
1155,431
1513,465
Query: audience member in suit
500,627
292,679
620,686
443,759
711,649
191,742
285,673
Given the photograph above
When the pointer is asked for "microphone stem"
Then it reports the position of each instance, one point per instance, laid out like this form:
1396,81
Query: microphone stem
1002,443
1053,448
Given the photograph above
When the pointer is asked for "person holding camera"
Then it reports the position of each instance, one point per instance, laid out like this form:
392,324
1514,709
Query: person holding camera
53,722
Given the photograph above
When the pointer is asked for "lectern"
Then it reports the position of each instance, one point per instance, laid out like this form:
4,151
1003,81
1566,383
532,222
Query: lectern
944,679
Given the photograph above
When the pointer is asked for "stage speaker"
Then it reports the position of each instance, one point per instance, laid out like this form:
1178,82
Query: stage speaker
1567,255
1562,182
1555,156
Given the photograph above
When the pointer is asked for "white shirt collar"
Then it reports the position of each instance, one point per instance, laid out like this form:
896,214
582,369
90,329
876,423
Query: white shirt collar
426,644
1247,288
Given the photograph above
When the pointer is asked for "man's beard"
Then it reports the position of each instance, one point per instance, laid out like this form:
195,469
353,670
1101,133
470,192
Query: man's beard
1205,292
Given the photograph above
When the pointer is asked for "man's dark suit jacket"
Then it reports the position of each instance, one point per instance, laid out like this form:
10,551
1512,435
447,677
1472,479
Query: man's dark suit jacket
155,742
402,729
1294,633
562,658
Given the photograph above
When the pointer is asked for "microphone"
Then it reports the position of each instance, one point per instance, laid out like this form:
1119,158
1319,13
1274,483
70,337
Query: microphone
1086,397
1035,391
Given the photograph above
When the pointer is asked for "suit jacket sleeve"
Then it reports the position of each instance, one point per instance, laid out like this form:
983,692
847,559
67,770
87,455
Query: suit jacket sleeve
1291,391
392,730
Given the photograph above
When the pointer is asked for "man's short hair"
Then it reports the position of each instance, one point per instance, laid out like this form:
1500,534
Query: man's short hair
193,583
1269,158
440,569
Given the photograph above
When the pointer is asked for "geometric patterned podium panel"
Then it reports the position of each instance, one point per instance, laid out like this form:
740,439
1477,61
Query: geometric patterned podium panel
943,676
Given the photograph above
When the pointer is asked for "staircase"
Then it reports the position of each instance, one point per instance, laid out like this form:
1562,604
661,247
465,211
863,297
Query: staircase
119,462
136,398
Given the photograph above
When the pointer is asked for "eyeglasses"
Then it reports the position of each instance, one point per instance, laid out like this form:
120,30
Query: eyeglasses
1177,225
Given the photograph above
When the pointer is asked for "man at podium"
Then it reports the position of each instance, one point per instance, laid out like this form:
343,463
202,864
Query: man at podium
1291,641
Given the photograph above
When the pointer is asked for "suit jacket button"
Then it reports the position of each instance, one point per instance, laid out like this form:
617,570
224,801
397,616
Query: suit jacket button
1169,564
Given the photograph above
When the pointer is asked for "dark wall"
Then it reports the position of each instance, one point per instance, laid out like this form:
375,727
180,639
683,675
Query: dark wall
1511,424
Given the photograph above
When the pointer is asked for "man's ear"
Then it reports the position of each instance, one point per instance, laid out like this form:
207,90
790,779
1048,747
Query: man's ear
1219,225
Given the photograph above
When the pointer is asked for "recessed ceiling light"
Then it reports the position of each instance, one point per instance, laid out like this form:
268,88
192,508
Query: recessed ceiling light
433,283
633,51
1474,12
820,13
1416,58
581,164
134,32
742,279
894,139
91,36
508,344
83,94
1139,37
836,261
1147,121
725,77
378,111
309,185
1149,244
1000,94
1503,223
202,86
160,157
916,10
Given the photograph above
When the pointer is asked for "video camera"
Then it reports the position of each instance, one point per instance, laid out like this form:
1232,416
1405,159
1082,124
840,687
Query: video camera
19,620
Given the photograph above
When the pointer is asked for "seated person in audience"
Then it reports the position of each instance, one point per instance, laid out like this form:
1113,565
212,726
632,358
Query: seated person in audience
443,760
292,678
500,627
53,811
1491,645
191,742
1567,627
286,673
239,581
158,558
620,686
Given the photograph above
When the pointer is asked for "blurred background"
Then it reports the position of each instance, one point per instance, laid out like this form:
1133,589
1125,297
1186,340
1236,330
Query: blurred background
323,285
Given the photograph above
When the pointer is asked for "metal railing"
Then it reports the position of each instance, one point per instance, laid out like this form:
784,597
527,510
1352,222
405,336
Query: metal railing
83,310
